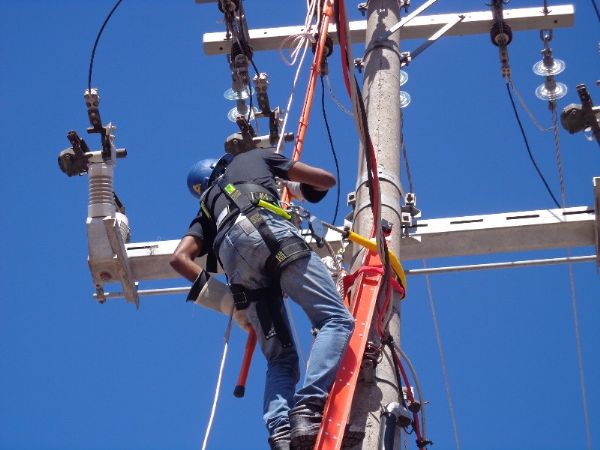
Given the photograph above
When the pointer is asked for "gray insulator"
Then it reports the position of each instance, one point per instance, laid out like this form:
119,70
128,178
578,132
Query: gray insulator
101,198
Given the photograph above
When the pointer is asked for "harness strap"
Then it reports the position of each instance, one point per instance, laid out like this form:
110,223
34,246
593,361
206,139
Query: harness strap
282,253
269,309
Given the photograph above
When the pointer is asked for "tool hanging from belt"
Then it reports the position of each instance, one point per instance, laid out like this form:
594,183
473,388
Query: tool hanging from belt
269,309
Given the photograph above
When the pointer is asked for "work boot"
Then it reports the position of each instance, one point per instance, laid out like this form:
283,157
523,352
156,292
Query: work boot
305,421
280,439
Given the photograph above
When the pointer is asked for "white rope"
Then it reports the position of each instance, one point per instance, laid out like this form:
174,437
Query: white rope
219,382
300,43
300,40
279,148
442,360
313,9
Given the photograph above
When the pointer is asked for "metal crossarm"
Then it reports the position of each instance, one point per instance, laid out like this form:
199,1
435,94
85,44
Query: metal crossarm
421,27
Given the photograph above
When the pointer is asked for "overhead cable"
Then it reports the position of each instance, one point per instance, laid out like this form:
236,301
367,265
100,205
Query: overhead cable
563,195
418,386
438,338
116,5
596,9
529,149
405,155
335,99
584,403
337,166
361,121
525,107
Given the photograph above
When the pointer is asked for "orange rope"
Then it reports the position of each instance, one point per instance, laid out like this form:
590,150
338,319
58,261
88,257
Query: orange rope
310,91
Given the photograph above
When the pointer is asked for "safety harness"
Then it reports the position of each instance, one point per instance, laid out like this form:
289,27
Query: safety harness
250,201
252,206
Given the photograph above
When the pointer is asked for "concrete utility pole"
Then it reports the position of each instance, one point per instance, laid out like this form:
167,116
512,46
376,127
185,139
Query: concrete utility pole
381,92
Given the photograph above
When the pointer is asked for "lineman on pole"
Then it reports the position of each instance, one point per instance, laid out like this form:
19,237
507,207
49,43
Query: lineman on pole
240,222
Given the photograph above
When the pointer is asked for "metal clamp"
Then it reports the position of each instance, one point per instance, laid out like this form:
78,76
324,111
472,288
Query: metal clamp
384,175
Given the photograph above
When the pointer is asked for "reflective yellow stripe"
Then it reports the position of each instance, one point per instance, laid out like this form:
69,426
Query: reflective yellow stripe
204,209
275,209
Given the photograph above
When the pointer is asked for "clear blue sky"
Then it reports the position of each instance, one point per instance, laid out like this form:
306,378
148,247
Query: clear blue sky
78,375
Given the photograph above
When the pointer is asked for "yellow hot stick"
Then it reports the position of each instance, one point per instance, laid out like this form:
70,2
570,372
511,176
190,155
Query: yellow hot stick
372,245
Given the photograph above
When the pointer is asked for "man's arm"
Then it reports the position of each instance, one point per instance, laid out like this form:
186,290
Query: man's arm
213,294
183,257
308,182
319,179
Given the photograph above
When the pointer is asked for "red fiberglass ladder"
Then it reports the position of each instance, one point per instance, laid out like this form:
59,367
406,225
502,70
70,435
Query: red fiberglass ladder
339,402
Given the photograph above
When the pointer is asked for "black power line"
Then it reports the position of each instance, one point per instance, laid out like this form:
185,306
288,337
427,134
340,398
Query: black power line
98,40
337,166
528,148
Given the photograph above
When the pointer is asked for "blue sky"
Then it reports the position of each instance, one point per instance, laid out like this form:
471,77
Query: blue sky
78,375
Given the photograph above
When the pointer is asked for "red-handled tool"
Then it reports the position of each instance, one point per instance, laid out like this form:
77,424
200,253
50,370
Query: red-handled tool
240,388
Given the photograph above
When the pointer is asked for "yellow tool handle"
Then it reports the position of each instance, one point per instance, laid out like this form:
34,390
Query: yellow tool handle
275,209
372,245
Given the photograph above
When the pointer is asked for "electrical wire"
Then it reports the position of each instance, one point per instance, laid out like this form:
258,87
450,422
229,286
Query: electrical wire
91,68
313,9
528,148
419,389
524,106
337,166
405,154
584,403
438,338
559,165
335,99
303,40
361,122
279,147
409,395
596,9
219,383
563,195
360,115
236,31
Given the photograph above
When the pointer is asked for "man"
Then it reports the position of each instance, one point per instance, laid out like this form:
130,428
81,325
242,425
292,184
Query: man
262,255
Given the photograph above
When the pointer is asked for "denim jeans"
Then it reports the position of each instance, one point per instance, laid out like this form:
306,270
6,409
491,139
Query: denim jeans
308,283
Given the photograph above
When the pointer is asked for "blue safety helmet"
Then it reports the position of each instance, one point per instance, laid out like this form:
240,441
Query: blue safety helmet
205,172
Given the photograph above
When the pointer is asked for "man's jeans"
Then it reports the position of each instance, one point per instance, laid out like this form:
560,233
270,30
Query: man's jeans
307,282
